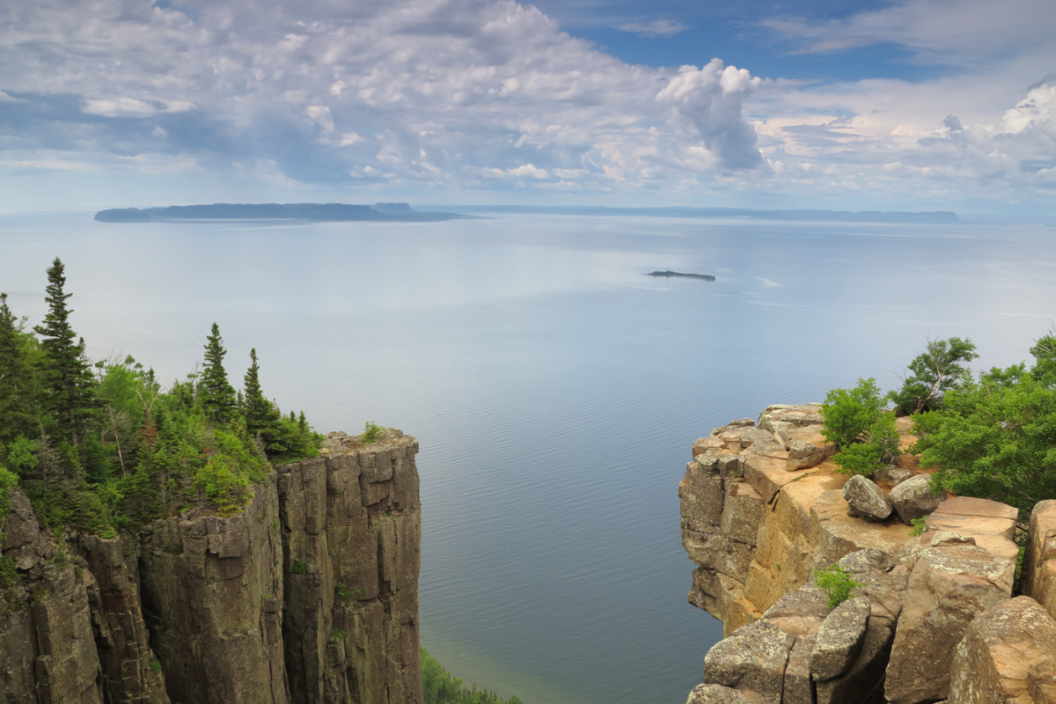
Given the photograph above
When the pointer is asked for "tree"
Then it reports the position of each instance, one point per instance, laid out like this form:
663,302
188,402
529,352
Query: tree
934,372
16,383
850,413
263,420
68,392
217,394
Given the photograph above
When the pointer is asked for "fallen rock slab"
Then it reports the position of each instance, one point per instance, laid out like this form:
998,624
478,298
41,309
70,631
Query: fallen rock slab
914,498
840,639
753,658
1001,646
866,499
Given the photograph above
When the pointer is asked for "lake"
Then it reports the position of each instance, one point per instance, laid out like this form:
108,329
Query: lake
556,390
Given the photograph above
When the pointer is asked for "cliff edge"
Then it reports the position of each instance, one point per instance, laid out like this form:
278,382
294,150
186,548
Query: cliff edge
932,617
308,596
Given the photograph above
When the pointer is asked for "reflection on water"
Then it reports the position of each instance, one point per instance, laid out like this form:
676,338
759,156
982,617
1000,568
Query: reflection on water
555,390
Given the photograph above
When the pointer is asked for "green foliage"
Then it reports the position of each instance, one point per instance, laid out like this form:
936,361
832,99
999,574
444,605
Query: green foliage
7,480
17,380
372,432
837,584
337,634
155,666
218,396
940,368
342,593
879,447
299,567
8,574
919,525
21,455
439,687
850,413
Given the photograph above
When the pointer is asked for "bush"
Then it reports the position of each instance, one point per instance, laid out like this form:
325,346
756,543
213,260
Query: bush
934,372
837,584
372,433
342,593
850,413
7,480
878,449
299,567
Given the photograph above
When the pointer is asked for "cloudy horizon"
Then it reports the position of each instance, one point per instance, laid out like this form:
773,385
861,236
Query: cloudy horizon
918,105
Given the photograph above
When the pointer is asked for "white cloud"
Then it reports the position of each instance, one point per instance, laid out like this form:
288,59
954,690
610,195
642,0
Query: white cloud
656,28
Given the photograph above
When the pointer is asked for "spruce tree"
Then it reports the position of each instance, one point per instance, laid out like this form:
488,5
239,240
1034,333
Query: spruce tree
69,388
16,388
262,418
216,393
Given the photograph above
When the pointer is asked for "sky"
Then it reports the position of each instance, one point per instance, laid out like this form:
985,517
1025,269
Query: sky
912,105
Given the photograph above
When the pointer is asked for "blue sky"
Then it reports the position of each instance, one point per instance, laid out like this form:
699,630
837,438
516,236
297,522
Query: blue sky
914,105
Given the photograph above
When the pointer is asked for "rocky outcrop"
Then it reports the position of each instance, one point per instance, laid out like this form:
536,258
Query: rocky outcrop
1039,562
896,639
309,595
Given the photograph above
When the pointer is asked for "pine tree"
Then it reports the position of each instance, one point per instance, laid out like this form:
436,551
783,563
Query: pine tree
69,388
16,388
262,418
217,394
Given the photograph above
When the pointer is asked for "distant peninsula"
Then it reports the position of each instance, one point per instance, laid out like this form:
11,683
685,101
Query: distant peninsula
795,215
669,273
315,212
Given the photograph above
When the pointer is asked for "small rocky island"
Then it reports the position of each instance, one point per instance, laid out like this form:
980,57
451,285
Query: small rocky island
669,274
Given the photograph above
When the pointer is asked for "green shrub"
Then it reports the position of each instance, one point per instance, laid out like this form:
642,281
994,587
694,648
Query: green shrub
879,447
918,526
342,593
837,584
372,433
8,573
850,413
155,666
299,567
337,634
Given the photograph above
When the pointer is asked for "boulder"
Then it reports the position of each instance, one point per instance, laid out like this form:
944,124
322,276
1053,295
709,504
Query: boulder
1001,646
892,474
1039,562
949,585
840,639
866,499
717,694
753,658
804,455
914,498
782,416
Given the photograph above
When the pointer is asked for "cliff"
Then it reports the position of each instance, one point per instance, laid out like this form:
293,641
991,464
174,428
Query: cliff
309,595
932,617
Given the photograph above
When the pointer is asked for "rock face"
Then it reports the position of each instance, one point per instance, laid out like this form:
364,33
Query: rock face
309,595
1005,655
895,640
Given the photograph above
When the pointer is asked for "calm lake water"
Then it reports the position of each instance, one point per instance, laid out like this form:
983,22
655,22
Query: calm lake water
555,390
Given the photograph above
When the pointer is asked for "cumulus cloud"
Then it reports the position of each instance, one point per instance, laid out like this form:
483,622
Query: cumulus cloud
437,92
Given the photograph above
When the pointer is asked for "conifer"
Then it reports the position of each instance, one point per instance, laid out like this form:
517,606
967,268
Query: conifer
69,389
216,393
16,390
262,418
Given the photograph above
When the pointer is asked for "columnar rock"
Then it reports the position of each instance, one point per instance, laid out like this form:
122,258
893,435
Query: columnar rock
949,586
914,498
45,621
352,534
120,633
212,595
866,500
1039,562
840,638
1001,654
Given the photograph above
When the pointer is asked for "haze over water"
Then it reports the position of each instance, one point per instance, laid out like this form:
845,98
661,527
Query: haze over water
555,390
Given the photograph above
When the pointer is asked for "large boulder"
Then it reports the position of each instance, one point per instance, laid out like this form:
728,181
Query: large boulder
840,639
1000,647
950,585
804,455
866,499
1039,562
914,498
753,659
717,694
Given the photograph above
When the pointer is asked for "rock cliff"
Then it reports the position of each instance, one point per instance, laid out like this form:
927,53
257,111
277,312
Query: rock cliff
932,617
308,596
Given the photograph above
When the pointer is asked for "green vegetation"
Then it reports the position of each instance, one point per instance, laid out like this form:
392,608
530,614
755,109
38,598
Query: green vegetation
8,575
439,687
855,420
337,634
155,666
918,526
101,447
937,370
372,432
342,593
299,567
837,584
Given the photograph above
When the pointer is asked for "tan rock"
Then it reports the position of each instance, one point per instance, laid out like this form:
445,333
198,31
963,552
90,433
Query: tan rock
993,664
753,659
717,694
742,514
948,587
1039,562
840,639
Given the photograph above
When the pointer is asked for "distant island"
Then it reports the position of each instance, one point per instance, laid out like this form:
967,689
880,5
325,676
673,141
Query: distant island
316,212
922,218
669,273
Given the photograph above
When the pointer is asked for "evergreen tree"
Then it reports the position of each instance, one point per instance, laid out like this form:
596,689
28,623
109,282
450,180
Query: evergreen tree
16,387
217,394
68,393
263,420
